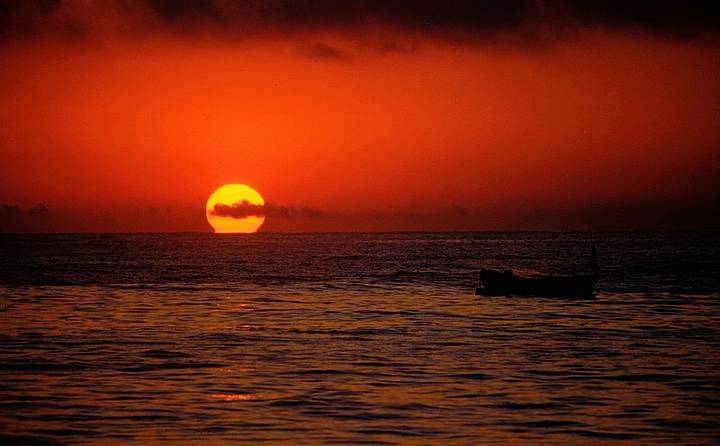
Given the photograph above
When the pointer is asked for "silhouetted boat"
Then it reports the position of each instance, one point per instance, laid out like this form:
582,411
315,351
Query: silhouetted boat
505,283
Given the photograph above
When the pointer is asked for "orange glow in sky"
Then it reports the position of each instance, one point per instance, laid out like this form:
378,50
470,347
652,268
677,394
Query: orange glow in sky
583,133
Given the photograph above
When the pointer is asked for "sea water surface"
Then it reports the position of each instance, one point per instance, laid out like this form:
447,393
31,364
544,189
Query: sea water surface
356,339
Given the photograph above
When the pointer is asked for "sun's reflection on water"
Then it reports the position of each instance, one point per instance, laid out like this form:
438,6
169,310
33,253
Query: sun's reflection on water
246,396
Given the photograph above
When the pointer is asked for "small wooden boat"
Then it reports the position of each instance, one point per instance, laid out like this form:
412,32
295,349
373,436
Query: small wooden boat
505,283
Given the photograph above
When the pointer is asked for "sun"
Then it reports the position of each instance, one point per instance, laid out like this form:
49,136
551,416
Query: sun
235,208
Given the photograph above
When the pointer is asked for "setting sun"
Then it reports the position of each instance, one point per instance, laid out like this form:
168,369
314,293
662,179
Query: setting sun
235,208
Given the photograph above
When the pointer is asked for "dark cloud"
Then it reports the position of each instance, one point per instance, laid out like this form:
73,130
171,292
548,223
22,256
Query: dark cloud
9,211
464,20
676,18
245,209
39,210
458,211
692,215
12,211
238,210
292,213
13,218
321,51
616,215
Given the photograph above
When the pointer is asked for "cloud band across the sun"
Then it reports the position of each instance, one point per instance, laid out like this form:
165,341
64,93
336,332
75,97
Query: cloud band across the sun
242,209
245,209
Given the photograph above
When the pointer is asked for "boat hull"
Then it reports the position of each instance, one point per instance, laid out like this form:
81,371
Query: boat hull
496,283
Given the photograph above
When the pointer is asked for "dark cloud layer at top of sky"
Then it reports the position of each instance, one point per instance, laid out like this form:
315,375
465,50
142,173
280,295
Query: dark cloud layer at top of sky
454,20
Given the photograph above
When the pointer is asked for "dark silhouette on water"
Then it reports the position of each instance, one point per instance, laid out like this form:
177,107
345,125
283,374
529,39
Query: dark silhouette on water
505,283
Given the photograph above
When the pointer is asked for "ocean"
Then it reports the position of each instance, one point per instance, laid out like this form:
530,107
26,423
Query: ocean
364,338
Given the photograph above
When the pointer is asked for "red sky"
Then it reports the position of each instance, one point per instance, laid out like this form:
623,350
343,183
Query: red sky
605,128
